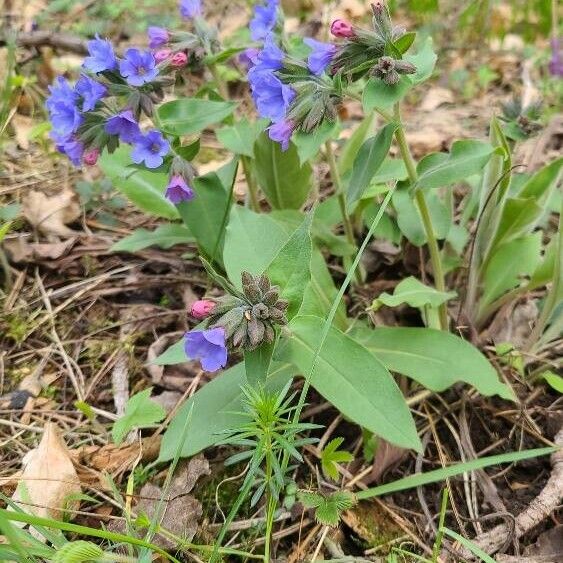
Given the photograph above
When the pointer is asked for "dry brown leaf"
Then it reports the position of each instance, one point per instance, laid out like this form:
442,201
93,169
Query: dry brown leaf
386,457
181,510
48,477
22,125
51,214
22,251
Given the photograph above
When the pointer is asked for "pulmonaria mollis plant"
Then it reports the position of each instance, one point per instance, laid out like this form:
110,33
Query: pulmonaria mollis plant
240,321
299,95
113,101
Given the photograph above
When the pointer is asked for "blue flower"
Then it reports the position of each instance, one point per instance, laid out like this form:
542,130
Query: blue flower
178,190
208,346
101,56
125,125
271,96
91,92
190,8
281,132
321,55
150,148
264,20
70,146
138,67
270,58
65,117
158,36
61,91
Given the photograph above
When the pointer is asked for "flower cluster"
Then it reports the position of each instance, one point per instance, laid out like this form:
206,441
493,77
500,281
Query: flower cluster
242,321
299,95
105,106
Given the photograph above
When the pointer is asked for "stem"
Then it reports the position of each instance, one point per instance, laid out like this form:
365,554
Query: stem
435,258
335,175
221,86
250,182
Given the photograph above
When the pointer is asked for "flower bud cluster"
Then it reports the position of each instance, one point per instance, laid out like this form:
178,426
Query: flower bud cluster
243,321
300,95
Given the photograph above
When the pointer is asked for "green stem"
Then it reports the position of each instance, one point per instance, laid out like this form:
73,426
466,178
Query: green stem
337,180
251,183
435,257
221,85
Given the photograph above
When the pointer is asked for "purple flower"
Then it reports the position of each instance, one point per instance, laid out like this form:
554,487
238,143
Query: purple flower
91,92
249,57
270,57
281,132
556,62
158,36
150,148
70,146
138,67
61,91
271,96
178,190
124,125
65,117
208,346
321,55
101,56
190,8
264,20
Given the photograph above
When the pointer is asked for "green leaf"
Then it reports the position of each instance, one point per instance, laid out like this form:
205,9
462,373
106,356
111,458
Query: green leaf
188,152
434,358
140,412
475,549
215,408
291,267
352,145
414,293
553,380
204,214
542,181
191,115
545,270
240,138
508,263
164,236
331,456
419,479
284,181
328,507
252,241
519,217
309,144
174,354
10,211
465,159
405,41
352,379
143,188
370,158
408,217
257,363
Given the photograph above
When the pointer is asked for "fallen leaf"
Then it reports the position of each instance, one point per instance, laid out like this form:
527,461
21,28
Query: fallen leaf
181,511
22,251
22,125
49,478
386,457
51,214
549,545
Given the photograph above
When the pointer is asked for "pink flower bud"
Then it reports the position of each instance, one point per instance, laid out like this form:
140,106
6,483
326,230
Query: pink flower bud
201,309
162,54
341,28
91,157
179,59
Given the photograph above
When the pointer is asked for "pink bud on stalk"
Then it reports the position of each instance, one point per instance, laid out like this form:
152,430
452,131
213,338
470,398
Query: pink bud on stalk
201,309
91,157
179,59
162,55
343,29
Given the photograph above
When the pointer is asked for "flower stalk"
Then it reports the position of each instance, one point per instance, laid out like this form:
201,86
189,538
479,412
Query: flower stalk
435,257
